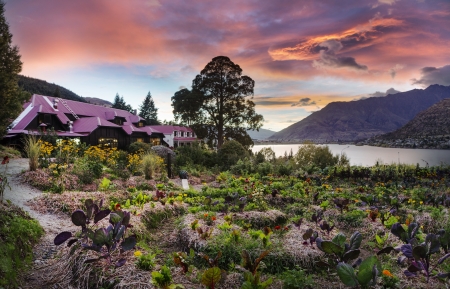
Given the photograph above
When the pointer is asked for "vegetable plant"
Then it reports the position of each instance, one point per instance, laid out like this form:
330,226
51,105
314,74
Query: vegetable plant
104,241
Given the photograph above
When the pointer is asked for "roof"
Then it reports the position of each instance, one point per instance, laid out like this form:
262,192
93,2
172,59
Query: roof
169,129
90,116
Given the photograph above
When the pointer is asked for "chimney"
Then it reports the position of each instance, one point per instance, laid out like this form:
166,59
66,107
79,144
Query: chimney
55,103
70,126
135,112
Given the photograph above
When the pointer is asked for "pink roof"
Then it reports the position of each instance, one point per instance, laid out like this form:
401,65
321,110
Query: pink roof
89,124
90,117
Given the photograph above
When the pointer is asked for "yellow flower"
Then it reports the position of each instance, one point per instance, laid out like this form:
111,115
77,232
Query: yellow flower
137,253
185,195
387,273
421,202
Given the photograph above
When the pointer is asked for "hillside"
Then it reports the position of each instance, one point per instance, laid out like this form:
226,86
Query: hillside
42,87
429,129
98,101
261,134
362,119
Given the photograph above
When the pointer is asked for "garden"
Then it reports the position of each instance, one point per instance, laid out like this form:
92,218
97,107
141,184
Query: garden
304,220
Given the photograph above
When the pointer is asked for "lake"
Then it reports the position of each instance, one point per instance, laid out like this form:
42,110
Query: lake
369,155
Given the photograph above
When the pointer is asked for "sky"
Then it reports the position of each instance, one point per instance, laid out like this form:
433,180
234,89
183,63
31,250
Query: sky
302,54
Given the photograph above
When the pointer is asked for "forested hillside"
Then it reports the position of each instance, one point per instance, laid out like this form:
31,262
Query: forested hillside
42,87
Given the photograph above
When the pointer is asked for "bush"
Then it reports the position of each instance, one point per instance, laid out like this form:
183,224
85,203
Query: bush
265,168
151,163
16,253
242,167
137,147
230,153
87,170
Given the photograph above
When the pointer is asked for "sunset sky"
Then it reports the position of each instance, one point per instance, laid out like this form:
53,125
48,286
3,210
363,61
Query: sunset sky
301,54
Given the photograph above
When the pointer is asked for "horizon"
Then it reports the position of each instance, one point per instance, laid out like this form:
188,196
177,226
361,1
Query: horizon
301,54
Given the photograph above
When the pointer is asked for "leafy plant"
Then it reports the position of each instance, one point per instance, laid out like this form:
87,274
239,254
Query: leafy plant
252,276
337,247
146,261
367,273
296,279
104,241
104,184
163,279
211,277
310,235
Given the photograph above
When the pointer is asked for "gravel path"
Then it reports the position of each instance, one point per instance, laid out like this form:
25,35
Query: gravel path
44,252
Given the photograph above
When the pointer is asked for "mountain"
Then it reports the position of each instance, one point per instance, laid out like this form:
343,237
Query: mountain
429,129
362,119
98,101
42,87
261,134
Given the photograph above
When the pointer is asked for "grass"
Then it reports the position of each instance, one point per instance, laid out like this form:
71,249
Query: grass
9,151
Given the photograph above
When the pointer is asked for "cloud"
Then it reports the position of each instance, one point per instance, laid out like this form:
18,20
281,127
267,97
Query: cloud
328,57
434,75
380,94
306,101
393,70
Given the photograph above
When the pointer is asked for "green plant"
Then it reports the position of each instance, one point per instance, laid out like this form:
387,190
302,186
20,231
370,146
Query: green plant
146,261
104,184
366,275
151,163
296,279
16,252
381,240
163,279
211,277
252,278
32,150
337,247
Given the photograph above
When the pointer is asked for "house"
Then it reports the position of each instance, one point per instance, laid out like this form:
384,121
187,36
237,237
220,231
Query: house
92,124
176,136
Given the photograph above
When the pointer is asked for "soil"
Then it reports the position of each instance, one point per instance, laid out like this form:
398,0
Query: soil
44,252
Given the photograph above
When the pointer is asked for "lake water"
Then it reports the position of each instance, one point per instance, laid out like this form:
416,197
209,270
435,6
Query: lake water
368,155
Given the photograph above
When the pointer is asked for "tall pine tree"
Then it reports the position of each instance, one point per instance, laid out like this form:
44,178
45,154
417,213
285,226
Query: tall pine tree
11,96
119,103
148,111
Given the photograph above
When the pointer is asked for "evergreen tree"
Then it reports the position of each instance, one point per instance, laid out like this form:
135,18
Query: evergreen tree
148,111
11,96
119,103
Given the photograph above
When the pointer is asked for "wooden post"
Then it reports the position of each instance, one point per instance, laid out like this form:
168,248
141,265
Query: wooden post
169,166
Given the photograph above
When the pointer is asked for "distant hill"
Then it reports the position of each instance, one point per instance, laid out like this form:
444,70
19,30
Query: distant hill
362,119
98,101
42,87
261,134
430,128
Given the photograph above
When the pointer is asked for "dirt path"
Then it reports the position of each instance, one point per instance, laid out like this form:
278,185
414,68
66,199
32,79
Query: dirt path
44,252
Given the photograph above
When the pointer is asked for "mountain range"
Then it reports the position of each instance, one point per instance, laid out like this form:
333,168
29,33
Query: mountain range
261,134
42,87
362,119
429,129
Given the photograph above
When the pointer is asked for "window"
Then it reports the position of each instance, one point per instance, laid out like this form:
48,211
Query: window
175,133
45,118
119,121
155,141
182,134
187,134
106,143
140,139
140,124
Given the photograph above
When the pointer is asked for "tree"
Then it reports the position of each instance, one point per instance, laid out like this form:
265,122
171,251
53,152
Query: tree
119,103
11,96
218,100
148,111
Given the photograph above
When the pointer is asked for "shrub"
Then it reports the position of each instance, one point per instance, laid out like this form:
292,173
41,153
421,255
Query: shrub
137,147
151,163
32,150
265,168
15,252
87,170
230,152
